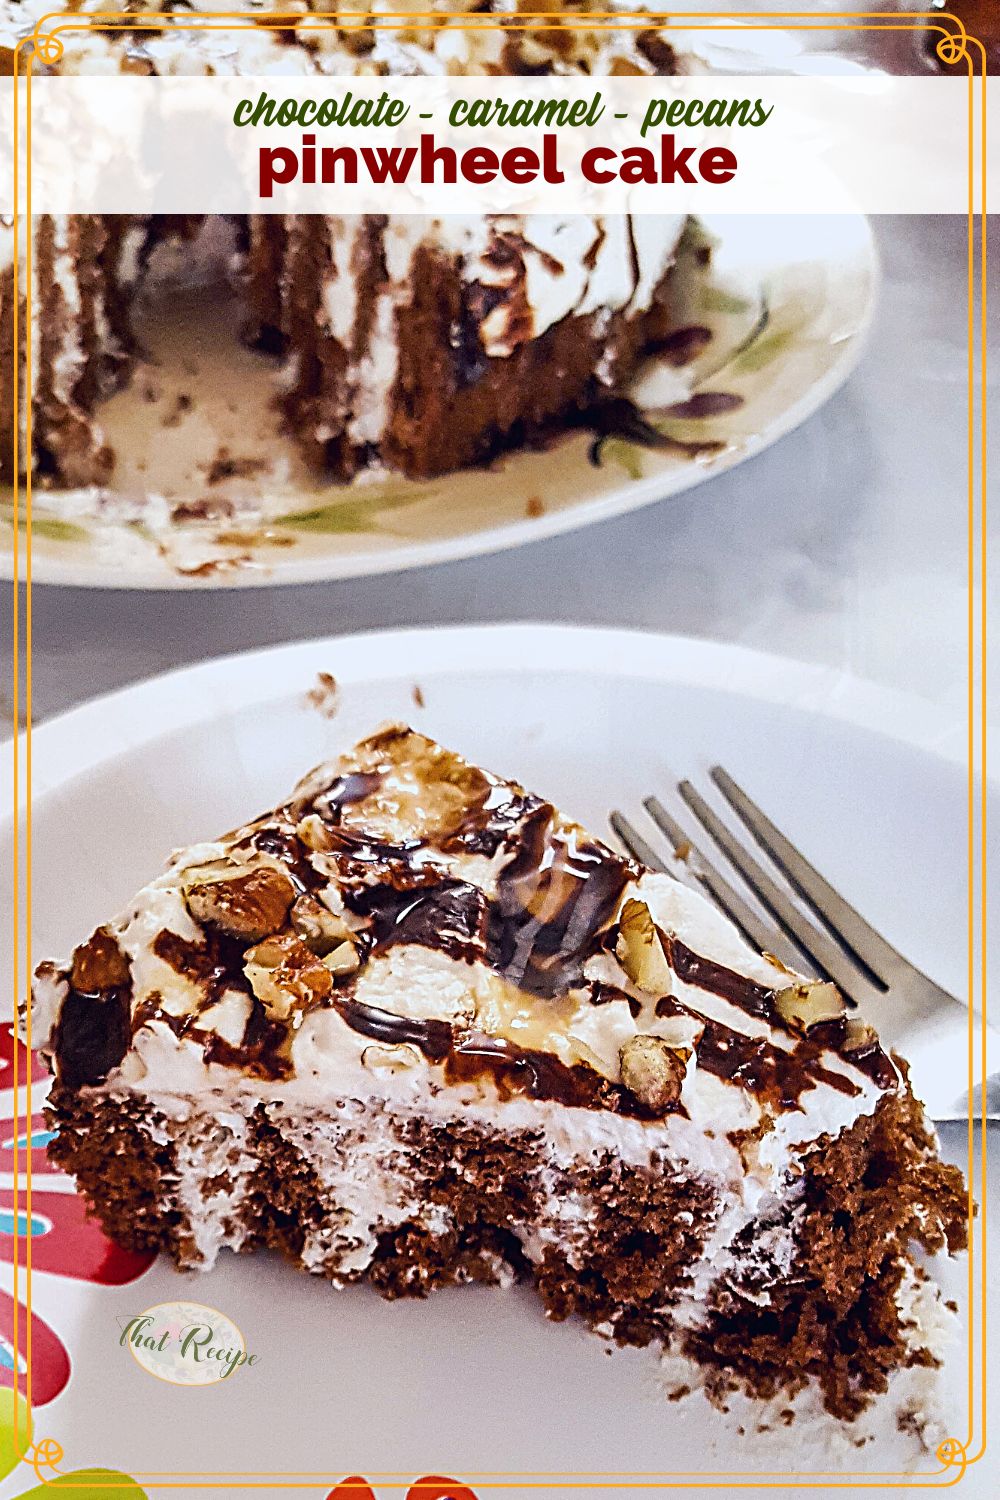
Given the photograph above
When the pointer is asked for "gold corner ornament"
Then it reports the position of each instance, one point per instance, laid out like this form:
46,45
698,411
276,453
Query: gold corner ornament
953,1454
45,1454
47,47
951,47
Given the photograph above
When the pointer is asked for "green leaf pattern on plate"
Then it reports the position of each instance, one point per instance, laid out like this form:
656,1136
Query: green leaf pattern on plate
716,299
356,514
763,350
53,528
621,451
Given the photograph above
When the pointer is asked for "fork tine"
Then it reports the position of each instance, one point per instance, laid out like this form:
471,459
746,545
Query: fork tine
821,949
635,843
847,924
764,935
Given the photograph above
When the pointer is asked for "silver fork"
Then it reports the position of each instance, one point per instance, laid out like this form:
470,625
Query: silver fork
912,1014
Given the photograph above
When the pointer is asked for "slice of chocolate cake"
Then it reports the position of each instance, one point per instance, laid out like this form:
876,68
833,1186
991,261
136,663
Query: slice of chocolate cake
416,1026
427,344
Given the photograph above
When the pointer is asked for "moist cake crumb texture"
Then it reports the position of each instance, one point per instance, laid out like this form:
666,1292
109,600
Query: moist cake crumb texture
417,1027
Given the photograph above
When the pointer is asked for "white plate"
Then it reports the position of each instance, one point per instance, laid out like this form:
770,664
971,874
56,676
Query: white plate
788,300
472,1380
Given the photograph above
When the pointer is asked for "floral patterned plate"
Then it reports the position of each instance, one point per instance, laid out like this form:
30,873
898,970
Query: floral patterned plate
770,330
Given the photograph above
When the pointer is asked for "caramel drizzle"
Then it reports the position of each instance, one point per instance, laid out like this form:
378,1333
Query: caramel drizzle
472,1056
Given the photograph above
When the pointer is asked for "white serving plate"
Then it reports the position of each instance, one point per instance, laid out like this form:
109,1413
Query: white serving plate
474,1380
788,300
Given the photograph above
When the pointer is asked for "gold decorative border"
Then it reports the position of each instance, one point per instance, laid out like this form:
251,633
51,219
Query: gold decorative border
954,45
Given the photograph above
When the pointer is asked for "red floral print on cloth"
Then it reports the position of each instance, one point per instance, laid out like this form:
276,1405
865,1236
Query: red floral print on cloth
64,1242
431,1487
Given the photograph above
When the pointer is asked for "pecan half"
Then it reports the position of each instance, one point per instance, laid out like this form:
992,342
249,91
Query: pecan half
250,906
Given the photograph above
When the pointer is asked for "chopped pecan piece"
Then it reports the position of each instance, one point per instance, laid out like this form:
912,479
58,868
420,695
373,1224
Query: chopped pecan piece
809,1003
640,949
653,1071
285,975
317,926
99,964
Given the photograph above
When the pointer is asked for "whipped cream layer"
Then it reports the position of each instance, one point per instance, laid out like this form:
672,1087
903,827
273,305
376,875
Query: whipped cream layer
410,929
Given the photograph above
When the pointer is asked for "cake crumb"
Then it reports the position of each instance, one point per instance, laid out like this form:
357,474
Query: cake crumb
911,1421
214,567
323,697
205,508
534,507
417,695
182,405
225,466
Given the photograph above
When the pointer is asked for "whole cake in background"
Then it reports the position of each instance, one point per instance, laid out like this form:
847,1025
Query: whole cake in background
417,1027
416,344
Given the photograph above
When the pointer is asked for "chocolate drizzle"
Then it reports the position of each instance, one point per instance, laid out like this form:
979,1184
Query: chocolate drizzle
471,1056
264,1052
777,1072
449,916
281,843
681,345
346,790
870,1059
705,404
552,900
755,999
215,964
618,417
434,1038
778,1077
